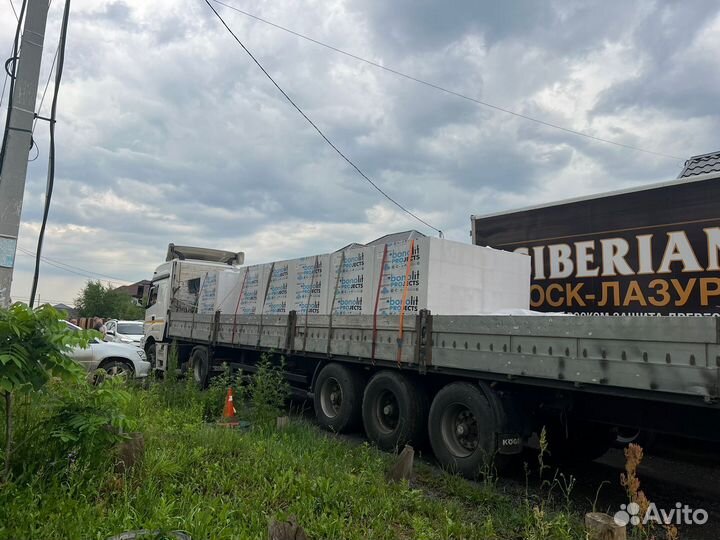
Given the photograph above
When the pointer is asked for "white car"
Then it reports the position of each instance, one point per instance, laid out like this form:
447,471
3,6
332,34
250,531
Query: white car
130,332
115,357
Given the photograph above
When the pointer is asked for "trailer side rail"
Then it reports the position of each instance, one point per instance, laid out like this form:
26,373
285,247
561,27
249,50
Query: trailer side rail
675,355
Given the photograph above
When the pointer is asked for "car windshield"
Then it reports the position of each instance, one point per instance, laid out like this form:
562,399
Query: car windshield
132,328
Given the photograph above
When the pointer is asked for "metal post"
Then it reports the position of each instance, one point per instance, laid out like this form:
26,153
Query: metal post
15,162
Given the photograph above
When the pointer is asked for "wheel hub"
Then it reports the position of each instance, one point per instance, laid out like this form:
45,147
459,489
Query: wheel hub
387,411
460,430
331,397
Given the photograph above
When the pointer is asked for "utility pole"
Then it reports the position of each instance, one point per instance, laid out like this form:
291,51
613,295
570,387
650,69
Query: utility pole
17,148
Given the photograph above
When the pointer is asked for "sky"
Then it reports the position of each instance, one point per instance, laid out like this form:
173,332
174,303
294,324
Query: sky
168,132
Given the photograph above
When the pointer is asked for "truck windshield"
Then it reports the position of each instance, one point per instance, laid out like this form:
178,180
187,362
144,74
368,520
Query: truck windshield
130,328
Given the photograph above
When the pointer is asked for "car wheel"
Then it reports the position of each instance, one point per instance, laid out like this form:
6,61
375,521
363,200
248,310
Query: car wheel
118,368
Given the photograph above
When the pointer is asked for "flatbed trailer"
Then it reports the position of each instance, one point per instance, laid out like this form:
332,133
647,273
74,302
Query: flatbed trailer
477,386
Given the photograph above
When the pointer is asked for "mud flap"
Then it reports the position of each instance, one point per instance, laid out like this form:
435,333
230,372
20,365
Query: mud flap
509,443
161,355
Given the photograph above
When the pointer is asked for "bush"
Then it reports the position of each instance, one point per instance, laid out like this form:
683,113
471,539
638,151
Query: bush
76,424
268,390
33,349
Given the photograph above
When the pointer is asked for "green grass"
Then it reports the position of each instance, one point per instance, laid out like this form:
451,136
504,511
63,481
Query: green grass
219,483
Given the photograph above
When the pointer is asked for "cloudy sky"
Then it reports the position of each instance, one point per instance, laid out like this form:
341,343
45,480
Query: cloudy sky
167,132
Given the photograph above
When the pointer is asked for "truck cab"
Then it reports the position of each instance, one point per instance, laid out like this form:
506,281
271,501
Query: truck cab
177,283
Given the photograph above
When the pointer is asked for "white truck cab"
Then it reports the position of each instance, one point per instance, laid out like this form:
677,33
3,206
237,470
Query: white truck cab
178,282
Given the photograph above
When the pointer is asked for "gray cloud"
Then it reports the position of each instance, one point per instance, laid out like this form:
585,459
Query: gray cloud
168,132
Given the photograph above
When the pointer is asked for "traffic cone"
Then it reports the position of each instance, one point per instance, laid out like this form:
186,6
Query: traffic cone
228,417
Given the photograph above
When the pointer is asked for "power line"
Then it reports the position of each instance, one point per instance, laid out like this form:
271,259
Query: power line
47,84
12,60
12,5
447,90
51,157
25,252
339,152
50,300
71,268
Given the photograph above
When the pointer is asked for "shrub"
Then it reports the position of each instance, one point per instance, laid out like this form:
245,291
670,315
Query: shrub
268,390
76,423
33,349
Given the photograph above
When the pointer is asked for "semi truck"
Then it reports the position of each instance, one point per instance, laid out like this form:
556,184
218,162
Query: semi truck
647,251
476,387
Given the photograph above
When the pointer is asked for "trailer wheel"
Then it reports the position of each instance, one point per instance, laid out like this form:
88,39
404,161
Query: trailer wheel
199,362
462,429
394,411
338,398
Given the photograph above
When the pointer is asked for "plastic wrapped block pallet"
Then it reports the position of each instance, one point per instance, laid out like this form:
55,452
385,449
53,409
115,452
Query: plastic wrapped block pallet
249,291
310,287
353,280
448,278
227,291
391,267
275,296
207,295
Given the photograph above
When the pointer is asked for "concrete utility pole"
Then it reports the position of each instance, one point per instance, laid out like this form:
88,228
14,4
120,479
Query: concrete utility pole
17,148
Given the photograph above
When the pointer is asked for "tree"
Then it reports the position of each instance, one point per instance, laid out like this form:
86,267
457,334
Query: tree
33,348
97,300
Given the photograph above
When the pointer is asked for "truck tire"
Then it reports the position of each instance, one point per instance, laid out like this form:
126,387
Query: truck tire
577,441
200,367
394,411
151,353
462,429
338,398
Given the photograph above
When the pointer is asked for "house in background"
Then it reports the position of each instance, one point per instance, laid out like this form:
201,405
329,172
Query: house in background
72,313
702,164
137,291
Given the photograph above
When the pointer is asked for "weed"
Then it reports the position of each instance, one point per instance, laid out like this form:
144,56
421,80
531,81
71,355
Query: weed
268,390
630,481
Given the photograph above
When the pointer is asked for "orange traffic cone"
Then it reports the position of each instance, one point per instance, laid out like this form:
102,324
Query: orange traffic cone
228,417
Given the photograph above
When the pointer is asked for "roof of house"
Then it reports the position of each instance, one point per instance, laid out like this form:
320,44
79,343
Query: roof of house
134,288
702,164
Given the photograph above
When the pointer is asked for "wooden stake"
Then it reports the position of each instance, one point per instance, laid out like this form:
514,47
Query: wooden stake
403,467
601,526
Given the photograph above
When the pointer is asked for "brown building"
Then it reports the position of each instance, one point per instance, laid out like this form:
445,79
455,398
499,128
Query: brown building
137,290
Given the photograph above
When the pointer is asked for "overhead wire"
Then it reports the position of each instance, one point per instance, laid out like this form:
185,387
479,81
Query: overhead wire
320,132
58,263
51,157
5,80
449,91
12,60
52,301
12,5
47,84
